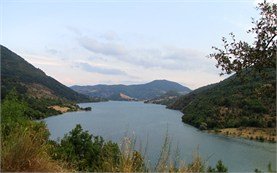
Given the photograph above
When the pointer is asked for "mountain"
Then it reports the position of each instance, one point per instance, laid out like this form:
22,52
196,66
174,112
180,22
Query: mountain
166,99
235,102
27,79
122,97
149,90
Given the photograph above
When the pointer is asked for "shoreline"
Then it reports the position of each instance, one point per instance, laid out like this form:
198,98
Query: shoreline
69,108
249,133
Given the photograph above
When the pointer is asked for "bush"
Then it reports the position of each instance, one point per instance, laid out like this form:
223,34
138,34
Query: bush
23,142
220,167
26,150
84,152
203,126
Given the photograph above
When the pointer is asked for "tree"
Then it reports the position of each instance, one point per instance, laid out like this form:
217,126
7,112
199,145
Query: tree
237,56
13,111
85,152
220,167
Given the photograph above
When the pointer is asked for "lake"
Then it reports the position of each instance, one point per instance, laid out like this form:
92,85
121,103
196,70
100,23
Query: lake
150,123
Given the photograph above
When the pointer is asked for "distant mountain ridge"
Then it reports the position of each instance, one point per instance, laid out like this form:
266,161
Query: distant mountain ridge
149,90
26,79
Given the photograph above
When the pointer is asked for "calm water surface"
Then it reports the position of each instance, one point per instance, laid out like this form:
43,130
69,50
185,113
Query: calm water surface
149,122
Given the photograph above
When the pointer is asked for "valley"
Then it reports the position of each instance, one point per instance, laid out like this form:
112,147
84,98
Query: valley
150,123
231,108
133,86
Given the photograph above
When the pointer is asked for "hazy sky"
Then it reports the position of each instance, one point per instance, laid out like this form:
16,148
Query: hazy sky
90,42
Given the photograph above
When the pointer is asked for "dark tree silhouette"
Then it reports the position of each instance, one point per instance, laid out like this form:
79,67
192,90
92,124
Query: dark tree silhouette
235,56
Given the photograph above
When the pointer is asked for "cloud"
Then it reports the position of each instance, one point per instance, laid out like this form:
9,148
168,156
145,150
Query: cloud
51,51
110,35
95,46
101,70
168,58
42,60
74,30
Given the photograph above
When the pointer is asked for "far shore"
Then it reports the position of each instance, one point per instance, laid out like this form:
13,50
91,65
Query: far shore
73,108
251,133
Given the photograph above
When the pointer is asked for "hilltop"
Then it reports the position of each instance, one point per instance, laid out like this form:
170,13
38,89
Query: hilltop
149,90
42,92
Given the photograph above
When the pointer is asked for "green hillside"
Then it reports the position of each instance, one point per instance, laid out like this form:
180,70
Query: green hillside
232,103
40,91
18,73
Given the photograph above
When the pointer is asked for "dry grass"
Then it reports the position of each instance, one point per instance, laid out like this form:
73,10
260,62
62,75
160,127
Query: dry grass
267,134
59,108
133,161
130,160
26,151
40,91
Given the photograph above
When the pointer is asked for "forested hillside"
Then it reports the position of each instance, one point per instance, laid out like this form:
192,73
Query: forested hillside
25,78
248,98
166,99
40,91
235,102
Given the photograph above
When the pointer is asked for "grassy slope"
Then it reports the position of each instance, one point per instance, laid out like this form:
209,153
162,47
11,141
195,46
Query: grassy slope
232,103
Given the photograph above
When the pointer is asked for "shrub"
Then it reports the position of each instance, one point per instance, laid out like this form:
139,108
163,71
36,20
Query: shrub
220,167
25,150
203,126
84,152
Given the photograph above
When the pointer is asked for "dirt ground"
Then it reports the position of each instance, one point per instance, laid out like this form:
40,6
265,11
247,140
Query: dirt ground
252,133
59,108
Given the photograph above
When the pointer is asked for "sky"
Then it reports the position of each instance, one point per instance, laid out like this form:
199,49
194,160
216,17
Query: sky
90,42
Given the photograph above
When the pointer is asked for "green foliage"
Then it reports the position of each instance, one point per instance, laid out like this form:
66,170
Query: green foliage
247,98
203,126
35,88
25,149
40,108
15,106
165,99
12,113
232,103
220,167
23,142
18,73
85,152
